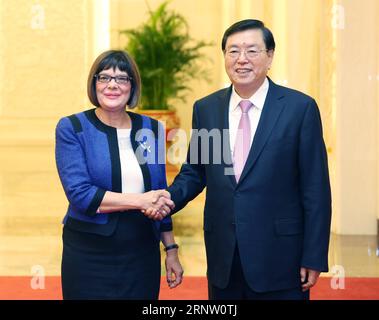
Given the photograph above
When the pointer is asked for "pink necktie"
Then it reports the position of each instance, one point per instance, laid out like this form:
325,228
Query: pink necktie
242,145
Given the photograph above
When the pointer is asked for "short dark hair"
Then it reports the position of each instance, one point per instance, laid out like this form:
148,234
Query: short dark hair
115,59
248,24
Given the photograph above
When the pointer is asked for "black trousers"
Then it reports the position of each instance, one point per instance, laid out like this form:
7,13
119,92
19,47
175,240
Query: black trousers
238,289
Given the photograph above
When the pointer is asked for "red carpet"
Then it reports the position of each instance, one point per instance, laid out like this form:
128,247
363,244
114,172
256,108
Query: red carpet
19,288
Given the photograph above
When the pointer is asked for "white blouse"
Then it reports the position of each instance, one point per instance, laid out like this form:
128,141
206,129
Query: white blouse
131,174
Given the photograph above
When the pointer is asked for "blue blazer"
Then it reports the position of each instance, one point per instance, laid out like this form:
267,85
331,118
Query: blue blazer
88,162
280,210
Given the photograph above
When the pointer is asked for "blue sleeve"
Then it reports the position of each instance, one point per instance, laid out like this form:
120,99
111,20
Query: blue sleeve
73,172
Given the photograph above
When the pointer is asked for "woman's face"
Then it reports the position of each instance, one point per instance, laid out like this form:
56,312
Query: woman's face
113,95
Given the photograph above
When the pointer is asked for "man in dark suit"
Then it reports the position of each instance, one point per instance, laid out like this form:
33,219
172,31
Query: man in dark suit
268,202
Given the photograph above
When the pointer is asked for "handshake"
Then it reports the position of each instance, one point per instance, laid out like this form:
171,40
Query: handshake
156,204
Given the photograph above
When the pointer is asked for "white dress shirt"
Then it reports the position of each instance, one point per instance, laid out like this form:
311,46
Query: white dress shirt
257,99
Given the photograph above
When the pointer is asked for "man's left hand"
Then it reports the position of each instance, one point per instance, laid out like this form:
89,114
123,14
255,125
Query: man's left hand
310,276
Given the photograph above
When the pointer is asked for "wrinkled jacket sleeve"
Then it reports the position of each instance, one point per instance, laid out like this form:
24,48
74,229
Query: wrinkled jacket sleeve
315,190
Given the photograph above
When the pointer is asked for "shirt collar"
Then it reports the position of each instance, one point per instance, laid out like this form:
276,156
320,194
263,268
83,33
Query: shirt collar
257,99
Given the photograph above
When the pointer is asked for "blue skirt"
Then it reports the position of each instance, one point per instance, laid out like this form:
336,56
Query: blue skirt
125,265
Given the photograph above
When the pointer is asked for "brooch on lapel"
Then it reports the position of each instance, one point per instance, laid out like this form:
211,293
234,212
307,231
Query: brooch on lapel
144,146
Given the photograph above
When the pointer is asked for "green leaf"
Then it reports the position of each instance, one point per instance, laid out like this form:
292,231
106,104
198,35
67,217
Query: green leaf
167,57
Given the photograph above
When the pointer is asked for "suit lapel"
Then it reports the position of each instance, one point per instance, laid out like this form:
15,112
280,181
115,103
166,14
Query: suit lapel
271,111
223,124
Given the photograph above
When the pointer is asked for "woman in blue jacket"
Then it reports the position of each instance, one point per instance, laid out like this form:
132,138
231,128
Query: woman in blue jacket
111,163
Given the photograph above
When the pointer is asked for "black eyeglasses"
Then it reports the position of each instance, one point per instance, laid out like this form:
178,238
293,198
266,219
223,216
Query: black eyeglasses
104,78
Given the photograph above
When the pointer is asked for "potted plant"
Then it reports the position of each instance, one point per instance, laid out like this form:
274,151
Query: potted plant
168,59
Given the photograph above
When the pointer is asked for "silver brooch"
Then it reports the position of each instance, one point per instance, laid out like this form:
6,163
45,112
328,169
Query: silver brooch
145,146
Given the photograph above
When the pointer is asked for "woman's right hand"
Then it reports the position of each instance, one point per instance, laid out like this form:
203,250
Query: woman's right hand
156,204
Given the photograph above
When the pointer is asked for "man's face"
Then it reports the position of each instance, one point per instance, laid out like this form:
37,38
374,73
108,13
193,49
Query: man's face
246,59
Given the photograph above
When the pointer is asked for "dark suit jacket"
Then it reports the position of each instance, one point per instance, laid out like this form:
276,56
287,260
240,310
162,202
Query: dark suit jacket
279,212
